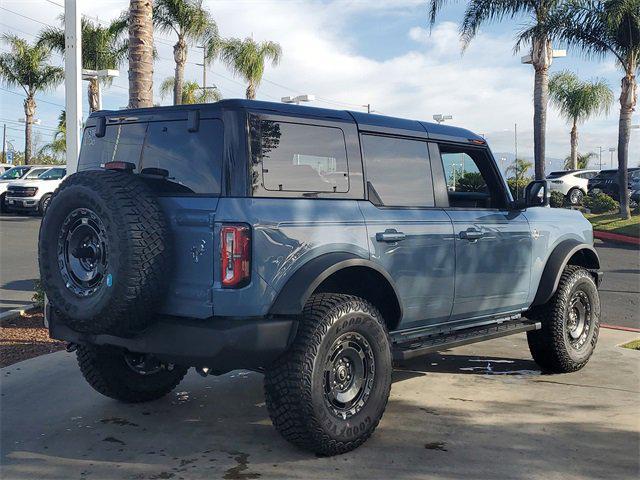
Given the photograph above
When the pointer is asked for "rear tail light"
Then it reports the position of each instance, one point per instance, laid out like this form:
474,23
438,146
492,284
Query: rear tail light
235,255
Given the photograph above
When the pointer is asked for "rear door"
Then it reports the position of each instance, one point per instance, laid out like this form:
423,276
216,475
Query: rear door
492,242
184,167
408,236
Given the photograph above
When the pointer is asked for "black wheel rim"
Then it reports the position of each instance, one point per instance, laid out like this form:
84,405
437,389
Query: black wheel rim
82,252
45,204
578,319
143,364
349,370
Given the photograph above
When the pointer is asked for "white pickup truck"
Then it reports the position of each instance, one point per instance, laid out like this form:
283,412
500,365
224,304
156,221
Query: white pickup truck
34,194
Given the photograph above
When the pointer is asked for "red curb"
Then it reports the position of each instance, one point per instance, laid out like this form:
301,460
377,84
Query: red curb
616,237
624,329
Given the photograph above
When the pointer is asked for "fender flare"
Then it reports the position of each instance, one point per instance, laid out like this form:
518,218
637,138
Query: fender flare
297,290
556,263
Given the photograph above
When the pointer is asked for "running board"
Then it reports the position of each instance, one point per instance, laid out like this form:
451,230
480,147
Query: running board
442,341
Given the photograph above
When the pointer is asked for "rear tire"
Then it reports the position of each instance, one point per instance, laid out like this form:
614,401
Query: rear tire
327,394
575,196
570,324
3,206
109,372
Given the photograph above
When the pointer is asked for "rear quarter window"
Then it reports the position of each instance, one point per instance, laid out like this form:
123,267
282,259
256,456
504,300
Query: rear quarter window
292,157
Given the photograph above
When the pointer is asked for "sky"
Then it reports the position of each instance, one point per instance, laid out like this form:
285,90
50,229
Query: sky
350,53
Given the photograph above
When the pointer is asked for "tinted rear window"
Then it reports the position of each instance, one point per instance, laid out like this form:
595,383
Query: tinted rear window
192,160
557,174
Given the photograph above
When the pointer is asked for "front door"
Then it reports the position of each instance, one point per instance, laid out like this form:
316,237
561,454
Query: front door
492,242
410,238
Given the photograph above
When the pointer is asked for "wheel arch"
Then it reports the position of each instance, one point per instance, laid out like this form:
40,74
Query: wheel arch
340,272
568,252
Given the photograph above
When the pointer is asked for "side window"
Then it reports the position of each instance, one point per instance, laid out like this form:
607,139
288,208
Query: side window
299,158
398,170
53,174
121,142
192,160
472,181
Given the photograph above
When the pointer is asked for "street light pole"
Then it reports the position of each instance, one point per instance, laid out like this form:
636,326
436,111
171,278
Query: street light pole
72,81
600,157
612,149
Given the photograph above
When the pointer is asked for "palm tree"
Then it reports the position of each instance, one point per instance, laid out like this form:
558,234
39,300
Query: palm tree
191,92
140,53
27,66
102,48
578,100
536,34
581,161
519,180
58,145
602,29
247,58
190,22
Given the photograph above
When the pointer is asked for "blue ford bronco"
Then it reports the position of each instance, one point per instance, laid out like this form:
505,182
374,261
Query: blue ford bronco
316,246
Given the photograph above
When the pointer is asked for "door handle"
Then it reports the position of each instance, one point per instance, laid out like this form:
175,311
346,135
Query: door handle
471,234
390,236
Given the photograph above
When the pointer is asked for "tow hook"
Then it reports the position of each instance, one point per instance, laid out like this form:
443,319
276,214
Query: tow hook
202,371
71,347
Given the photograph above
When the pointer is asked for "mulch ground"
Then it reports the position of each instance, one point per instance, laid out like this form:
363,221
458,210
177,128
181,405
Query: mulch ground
25,337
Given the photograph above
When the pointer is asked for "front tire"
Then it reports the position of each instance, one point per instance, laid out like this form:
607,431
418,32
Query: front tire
327,394
44,204
570,324
127,377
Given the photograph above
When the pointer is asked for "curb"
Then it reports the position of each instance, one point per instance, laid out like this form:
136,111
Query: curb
616,237
617,327
16,312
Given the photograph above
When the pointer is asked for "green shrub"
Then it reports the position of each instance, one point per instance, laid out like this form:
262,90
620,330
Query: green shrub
557,199
38,295
518,185
600,203
471,182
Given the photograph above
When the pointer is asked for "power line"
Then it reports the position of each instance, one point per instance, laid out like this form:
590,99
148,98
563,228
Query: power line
24,96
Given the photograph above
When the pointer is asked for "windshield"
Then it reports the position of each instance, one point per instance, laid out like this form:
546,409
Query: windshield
35,173
13,173
607,174
53,174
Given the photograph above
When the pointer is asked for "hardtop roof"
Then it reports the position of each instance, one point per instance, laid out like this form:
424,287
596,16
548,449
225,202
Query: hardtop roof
364,121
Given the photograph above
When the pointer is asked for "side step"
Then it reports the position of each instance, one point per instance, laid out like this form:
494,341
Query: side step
442,341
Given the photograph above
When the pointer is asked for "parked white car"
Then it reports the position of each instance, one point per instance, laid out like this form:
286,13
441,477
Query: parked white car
17,173
571,183
34,194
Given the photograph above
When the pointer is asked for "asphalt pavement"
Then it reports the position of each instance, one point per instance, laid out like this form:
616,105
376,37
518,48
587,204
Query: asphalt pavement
18,260
477,412
620,292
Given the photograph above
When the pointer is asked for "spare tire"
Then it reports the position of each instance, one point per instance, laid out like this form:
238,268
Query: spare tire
104,252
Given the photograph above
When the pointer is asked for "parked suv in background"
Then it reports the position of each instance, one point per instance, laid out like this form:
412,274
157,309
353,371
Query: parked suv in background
607,182
573,184
316,246
34,194
16,173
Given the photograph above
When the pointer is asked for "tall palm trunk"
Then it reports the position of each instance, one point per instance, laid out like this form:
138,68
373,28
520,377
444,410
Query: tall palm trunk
93,94
140,53
29,113
574,145
541,55
251,91
180,57
628,98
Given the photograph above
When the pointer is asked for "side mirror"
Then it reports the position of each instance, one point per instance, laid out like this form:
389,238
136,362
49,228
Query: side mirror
537,194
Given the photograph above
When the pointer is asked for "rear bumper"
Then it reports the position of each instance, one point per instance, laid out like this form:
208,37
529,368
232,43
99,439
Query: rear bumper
222,344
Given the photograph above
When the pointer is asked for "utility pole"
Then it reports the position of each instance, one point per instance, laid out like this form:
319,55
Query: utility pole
203,65
4,143
600,157
72,81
